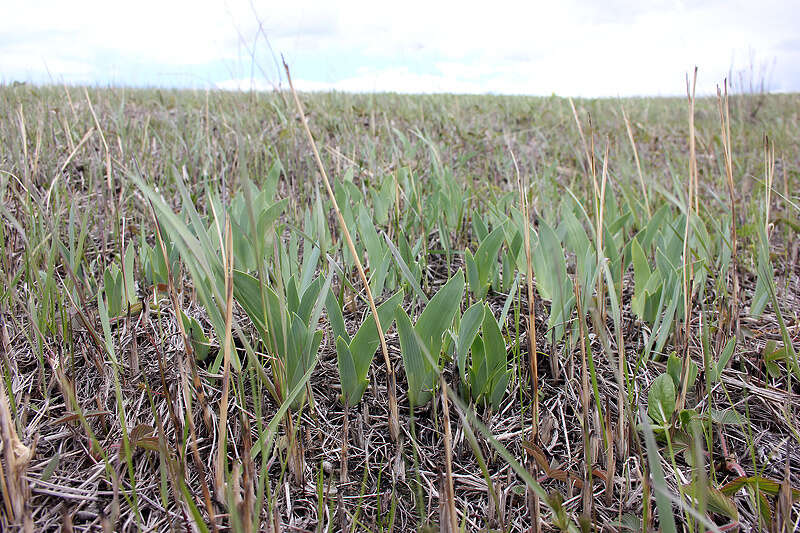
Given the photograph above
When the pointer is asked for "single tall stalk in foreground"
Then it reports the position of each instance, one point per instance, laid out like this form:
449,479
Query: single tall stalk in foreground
394,424
221,467
532,348
638,165
688,269
725,124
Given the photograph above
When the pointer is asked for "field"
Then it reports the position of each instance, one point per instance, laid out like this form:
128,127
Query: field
589,312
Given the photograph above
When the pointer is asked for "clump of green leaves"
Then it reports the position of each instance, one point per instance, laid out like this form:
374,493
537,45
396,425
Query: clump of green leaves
354,355
154,268
552,281
488,373
201,345
421,344
286,323
482,267
118,285
661,399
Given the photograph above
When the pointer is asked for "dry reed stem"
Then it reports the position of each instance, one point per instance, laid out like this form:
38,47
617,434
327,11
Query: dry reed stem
15,488
450,500
532,348
108,170
219,480
102,138
600,224
585,429
725,126
769,176
394,424
23,133
188,355
580,132
636,158
688,270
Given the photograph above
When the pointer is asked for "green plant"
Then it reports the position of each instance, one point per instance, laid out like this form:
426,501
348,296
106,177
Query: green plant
488,374
253,215
354,355
286,323
482,267
552,281
119,286
378,254
421,344
153,265
661,398
200,342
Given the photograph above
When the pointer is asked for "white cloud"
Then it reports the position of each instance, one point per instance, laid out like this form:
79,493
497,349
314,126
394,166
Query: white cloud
575,47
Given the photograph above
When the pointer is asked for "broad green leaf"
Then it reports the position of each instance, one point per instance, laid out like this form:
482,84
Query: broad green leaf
366,340
266,219
336,318
130,288
347,373
310,259
439,313
727,353
549,264
473,277
198,338
479,226
478,370
420,374
661,399
366,229
496,358
380,273
468,329
247,292
486,260
309,299
412,278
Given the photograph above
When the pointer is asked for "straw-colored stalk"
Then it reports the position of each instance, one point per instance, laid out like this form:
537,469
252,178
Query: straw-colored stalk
532,348
688,270
769,176
587,452
601,204
636,158
394,424
451,525
725,130
14,486
219,479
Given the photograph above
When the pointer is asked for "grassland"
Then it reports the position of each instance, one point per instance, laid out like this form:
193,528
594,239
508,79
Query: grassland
588,317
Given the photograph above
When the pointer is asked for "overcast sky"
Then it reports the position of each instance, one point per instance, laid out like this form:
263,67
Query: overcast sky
571,48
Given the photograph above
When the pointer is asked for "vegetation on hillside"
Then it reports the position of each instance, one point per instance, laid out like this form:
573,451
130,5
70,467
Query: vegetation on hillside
587,312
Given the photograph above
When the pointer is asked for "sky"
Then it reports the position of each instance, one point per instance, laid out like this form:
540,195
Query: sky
586,48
